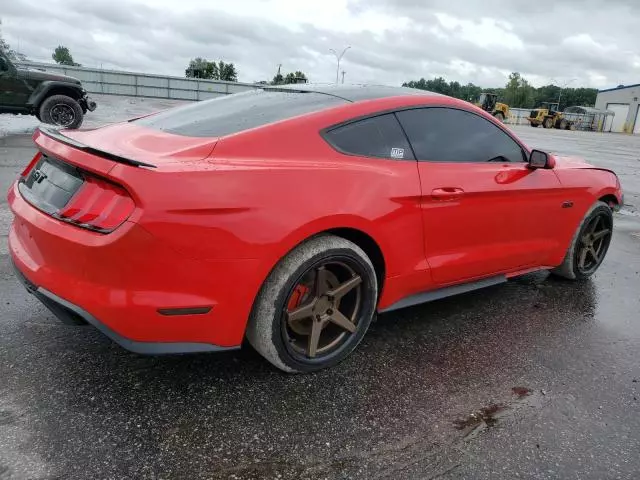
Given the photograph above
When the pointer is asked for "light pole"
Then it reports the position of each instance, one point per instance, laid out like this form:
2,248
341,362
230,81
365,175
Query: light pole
338,58
562,87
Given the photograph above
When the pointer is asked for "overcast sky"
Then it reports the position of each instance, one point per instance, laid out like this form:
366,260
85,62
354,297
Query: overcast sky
593,41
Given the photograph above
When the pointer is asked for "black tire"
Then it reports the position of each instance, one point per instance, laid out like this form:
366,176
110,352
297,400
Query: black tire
571,266
270,330
564,124
62,111
535,125
548,123
499,116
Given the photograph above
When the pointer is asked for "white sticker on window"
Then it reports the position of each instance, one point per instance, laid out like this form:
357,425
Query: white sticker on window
397,153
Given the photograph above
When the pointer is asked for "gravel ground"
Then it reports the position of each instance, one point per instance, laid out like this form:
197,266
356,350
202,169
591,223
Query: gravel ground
537,378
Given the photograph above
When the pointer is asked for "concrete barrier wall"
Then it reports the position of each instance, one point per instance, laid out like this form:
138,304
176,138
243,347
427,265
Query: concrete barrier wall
113,82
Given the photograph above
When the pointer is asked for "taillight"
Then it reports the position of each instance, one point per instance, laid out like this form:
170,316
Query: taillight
31,164
98,205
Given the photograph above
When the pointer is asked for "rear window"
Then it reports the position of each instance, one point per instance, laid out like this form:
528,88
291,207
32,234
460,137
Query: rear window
235,113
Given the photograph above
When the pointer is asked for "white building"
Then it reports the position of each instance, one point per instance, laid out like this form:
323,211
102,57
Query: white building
623,101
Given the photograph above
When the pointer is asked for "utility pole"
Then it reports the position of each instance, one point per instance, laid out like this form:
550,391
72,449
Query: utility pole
278,74
343,72
338,58
563,87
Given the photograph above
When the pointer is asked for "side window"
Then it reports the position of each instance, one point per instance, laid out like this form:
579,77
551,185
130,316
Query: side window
448,135
379,136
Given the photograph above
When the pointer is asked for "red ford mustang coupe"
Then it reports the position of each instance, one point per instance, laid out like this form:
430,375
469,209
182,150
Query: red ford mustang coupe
291,216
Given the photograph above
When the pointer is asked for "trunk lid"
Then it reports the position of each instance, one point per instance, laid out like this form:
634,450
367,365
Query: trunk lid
152,147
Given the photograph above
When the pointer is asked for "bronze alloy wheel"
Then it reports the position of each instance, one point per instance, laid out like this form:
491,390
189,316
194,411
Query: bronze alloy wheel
594,243
323,309
315,306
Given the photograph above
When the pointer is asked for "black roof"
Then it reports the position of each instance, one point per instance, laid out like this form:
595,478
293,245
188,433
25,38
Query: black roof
353,93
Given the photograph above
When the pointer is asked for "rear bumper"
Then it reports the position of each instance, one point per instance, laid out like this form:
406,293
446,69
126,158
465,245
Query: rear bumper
130,285
72,314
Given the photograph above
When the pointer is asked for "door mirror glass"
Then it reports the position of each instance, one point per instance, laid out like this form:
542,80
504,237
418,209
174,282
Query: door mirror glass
539,159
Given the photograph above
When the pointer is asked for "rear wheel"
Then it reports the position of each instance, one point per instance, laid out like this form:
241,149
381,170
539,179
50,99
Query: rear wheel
564,124
589,245
62,111
315,306
548,123
499,116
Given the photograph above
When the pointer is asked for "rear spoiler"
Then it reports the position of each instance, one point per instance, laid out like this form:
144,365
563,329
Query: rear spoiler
56,135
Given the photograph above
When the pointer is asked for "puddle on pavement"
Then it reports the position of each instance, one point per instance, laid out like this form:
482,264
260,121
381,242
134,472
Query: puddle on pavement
487,417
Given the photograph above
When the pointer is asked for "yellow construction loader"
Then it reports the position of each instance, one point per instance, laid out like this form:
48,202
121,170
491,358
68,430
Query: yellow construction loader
489,103
548,116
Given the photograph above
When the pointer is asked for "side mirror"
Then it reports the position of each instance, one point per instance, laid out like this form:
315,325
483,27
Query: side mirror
539,159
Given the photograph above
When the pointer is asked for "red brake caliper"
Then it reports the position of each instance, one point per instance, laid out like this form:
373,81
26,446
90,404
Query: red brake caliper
296,297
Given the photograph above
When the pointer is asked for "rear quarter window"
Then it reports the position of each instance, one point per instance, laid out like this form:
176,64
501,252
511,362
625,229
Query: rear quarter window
238,112
380,136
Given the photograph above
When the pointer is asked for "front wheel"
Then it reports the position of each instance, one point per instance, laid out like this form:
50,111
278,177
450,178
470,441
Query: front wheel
589,244
499,116
315,306
548,123
62,111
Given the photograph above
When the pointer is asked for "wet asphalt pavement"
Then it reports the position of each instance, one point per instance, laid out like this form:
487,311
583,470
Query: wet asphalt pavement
536,378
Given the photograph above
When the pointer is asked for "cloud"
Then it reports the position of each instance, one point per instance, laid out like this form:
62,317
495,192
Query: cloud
391,40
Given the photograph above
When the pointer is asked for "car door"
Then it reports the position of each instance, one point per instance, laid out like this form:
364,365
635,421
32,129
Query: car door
389,195
484,210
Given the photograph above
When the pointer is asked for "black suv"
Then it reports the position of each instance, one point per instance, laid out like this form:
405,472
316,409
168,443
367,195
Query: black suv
52,98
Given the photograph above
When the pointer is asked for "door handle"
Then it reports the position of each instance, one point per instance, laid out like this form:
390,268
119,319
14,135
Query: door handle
447,193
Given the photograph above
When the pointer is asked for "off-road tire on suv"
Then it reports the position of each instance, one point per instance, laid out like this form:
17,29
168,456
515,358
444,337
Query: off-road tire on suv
326,285
589,244
62,111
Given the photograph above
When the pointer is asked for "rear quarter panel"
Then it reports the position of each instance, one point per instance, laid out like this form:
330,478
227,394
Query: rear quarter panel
263,192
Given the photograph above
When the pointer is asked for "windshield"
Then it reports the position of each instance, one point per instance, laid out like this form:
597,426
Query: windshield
235,113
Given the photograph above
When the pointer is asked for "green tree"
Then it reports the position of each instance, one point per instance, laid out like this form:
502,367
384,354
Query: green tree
468,92
201,68
227,72
62,56
518,93
295,77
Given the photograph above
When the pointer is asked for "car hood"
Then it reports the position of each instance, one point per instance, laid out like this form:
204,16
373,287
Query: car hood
563,162
39,75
